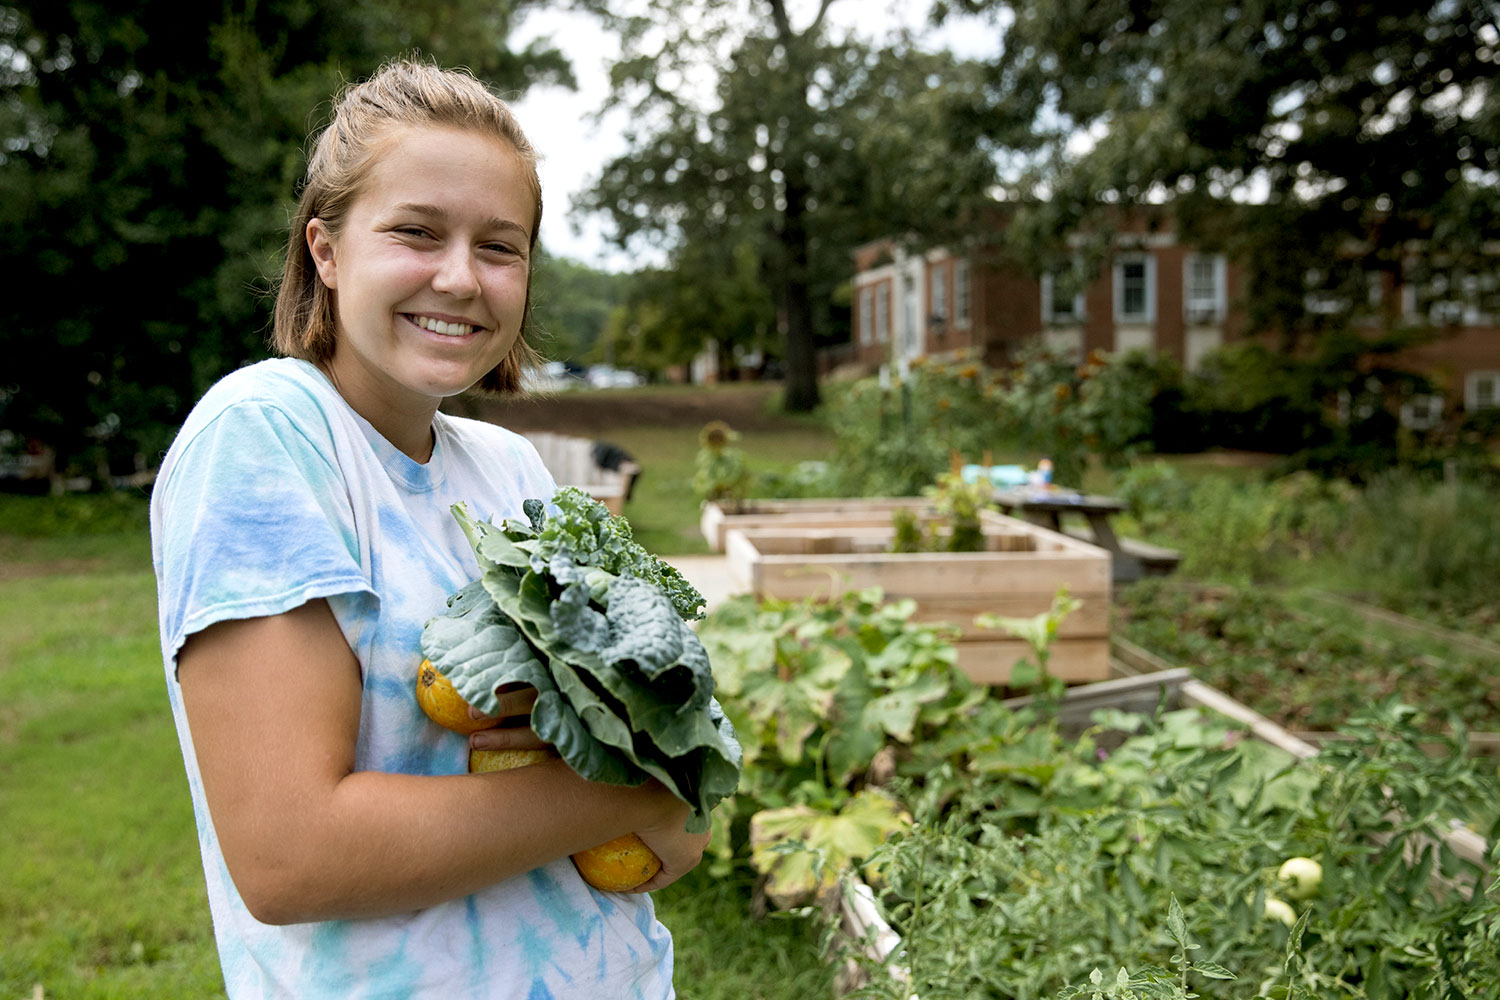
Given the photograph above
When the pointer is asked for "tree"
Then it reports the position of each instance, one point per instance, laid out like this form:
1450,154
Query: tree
571,306
793,157
1317,142
150,154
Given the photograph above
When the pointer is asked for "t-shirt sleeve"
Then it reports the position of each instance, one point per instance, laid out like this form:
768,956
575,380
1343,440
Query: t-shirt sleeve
254,520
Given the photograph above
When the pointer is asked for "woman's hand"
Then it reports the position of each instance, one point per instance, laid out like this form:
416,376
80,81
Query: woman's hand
678,850
512,721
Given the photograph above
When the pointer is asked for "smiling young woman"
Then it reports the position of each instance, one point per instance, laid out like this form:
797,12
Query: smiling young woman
429,272
301,537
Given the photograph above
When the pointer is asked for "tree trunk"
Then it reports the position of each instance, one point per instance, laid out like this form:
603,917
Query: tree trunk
796,299
801,357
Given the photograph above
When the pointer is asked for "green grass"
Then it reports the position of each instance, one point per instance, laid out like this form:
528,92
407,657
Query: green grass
663,511
101,890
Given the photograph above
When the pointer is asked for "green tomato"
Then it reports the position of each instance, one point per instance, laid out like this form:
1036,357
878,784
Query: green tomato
1277,909
1300,877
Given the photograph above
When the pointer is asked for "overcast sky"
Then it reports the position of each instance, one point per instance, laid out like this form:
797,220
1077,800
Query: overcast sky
573,149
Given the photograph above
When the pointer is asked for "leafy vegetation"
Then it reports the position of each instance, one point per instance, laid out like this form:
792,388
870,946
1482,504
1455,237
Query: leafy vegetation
1295,662
1115,833
570,605
806,143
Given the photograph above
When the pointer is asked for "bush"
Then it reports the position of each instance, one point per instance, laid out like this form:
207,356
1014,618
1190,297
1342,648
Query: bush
893,441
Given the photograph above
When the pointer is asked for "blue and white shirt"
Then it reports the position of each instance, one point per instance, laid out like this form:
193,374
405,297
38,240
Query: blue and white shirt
275,493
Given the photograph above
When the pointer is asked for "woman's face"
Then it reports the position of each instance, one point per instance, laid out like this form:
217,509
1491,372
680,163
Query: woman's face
429,272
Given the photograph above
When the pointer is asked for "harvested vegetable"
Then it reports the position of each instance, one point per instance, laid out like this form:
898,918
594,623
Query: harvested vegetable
571,605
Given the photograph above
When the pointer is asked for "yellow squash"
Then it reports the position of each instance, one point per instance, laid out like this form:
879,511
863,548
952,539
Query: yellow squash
616,866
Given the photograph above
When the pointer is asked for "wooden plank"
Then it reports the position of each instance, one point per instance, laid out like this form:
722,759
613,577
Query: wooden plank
1128,694
716,520
1091,619
1472,643
931,574
1479,744
990,661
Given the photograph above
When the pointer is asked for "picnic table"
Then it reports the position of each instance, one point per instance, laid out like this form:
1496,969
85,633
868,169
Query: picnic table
1132,558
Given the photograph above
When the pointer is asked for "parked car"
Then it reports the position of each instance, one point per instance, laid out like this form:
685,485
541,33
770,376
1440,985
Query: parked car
610,377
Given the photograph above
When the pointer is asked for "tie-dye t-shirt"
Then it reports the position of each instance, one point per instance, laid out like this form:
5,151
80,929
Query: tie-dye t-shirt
275,493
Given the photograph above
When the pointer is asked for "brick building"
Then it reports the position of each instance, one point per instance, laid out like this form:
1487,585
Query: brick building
1155,293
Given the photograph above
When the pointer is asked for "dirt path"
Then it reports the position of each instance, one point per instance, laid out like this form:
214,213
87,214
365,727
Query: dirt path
592,412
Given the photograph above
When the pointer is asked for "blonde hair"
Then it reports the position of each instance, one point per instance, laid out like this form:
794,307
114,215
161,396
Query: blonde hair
402,93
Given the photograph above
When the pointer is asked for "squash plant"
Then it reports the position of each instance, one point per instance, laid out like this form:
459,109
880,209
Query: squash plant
821,695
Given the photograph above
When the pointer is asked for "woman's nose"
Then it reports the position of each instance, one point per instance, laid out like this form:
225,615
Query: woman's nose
455,274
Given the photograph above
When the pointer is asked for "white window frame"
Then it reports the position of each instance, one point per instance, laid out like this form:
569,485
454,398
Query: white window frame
866,314
937,292
882,312
1422,412
1201,310
1481,390
1148,314
962,293
1049,312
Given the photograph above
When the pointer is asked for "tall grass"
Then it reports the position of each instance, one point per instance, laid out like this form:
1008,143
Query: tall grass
1425,542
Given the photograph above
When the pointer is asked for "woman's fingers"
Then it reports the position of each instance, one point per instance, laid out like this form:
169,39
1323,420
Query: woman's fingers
506,738
513,700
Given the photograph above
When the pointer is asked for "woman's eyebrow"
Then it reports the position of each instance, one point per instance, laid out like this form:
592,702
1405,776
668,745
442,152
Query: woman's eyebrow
441,214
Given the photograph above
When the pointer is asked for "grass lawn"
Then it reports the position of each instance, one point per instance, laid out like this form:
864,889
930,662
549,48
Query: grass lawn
663,511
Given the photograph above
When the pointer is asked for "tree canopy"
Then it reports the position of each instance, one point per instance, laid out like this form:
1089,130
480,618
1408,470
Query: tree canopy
150,155
764,151
1318,142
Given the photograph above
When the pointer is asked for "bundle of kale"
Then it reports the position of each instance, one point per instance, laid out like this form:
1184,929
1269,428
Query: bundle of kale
573,606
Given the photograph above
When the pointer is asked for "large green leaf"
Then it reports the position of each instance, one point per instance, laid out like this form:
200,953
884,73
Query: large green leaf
625,686
803,850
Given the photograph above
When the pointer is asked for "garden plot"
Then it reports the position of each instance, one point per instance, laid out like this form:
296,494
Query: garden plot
1189,813
1017,576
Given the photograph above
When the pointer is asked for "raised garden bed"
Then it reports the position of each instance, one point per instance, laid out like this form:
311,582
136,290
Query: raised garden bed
864,927
1308,662
718,518
1018,575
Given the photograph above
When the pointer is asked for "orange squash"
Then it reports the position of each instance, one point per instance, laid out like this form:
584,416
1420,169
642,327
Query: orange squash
443,704
616,866
619,865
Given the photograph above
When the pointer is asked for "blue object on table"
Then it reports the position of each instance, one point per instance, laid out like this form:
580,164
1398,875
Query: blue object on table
1007,475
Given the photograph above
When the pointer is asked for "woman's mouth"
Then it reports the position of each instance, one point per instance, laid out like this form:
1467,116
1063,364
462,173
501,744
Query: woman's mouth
442,328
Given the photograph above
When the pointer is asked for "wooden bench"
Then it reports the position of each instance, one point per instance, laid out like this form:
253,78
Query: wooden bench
1134,558
573,461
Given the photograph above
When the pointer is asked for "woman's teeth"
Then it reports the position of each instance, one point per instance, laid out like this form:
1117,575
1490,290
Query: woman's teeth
444,329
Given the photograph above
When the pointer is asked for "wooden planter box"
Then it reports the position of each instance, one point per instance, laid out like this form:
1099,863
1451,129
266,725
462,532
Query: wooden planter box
718,519
1017,577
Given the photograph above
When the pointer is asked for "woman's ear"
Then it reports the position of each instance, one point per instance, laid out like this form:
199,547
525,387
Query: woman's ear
320,246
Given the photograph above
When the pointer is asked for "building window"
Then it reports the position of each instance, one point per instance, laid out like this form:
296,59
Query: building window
1203,292
1451,298
866,315
1135,288
1060,306
961,293
1481,391
937,292
1422,413
882,312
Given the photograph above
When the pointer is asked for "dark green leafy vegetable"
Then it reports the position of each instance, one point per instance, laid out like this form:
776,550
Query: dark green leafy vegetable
572,606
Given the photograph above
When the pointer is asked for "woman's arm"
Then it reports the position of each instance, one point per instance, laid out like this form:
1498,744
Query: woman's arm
273,704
